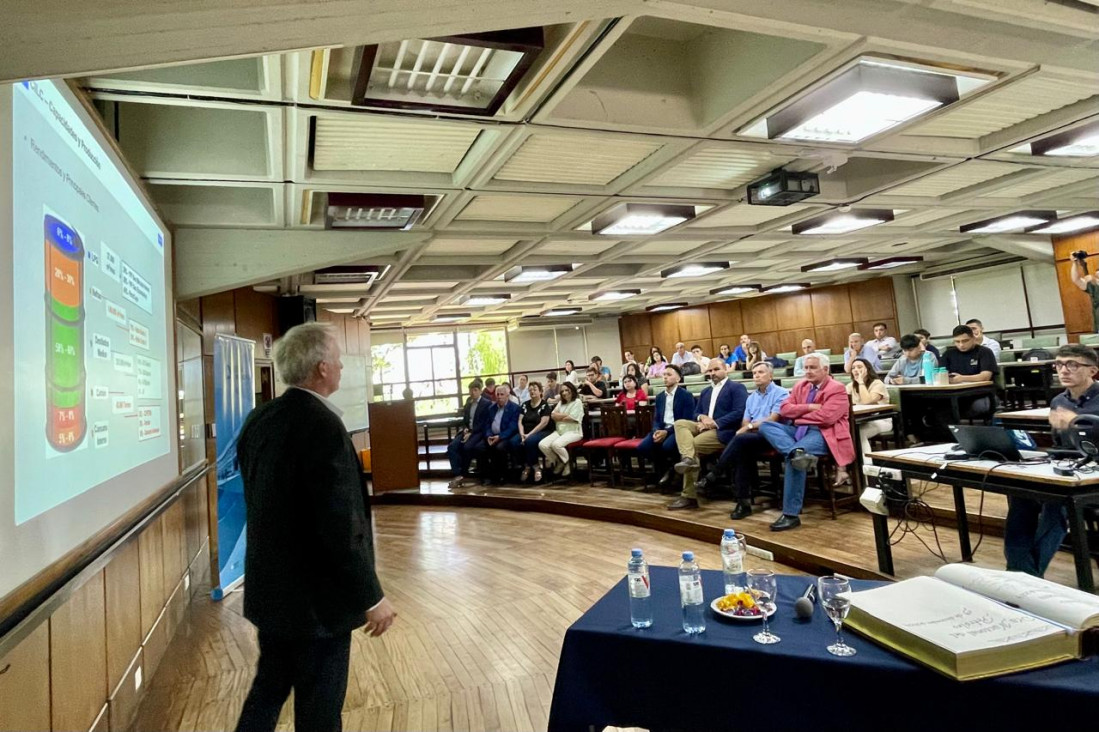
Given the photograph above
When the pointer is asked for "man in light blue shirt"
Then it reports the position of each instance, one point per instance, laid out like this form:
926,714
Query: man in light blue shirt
859,348
807,347
746,447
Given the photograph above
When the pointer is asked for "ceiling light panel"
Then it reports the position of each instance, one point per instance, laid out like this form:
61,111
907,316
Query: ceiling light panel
379,143
891,263
1009,222
594,160
640,219
720,167
1069,224
835,265
694,269
517,208
1001,108
1082,142
614,295
919,217
842,223
956,178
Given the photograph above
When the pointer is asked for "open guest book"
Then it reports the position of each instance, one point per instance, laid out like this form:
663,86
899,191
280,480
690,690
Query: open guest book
970,623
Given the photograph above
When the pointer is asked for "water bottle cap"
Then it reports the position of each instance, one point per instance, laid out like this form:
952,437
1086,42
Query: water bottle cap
635,553
729,534
688,556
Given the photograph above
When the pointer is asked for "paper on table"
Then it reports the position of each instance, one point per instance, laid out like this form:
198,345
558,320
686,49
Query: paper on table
1066,605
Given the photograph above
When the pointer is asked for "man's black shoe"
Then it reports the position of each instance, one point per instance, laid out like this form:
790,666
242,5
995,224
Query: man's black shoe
669,478
707,483
786,522
743,510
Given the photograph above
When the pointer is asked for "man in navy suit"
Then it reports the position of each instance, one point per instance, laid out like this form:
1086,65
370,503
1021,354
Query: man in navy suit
503,424
471,438
717,418
674,403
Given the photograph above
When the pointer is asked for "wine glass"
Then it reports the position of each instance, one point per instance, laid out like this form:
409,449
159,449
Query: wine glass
835,596
764,590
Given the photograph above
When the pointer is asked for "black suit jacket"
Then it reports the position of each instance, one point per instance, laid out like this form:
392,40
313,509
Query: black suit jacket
481,418
309,565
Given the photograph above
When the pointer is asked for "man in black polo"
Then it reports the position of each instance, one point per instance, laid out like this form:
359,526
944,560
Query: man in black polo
1034,530
965,362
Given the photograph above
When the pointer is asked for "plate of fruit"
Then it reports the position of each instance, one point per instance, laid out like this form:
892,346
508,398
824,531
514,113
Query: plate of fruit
743,606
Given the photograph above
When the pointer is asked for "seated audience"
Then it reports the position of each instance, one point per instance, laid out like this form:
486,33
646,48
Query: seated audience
908,369
593,386
534,426
1034,530
978,329
490,389
628,358
502,426
682,355
571,376
511,392
925,336
807,347
550,392
656,370
966,362
630,396
652,353
672,403
748,445
817,408
718,414
740,355
866,387
702,361
756,354
521,392
726,354
634,370
604,371
885,345
470,440
857,348
568,418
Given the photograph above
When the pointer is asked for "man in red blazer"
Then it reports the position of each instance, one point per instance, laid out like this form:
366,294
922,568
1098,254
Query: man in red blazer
814,423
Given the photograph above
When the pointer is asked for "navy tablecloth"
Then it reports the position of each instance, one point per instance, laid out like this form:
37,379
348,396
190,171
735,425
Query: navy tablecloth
659,678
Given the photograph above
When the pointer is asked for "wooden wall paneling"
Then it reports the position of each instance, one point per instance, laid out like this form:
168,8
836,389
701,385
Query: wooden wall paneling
151,559
25,685
1075,304
707,345
790,340
255,313
191,518
218,316
122,579
759,316
767,339
126,697
831,305
155,645
102,721
78,657
872,299
635,328
665,331
175,561
833,336
694,324
866,327
726,321
176,609
1064,246
794,310
192,307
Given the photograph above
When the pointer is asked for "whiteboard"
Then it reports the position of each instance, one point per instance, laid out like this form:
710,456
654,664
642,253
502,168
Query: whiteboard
993,296
352,395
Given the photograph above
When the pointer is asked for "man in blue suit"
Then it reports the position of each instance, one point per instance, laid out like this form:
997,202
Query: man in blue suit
717,417
471,438
503,425
674,403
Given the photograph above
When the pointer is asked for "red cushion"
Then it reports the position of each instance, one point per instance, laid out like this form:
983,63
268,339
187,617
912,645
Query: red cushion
629,444
602,443
578,443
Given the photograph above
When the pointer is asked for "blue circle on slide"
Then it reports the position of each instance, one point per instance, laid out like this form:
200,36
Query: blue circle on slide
63,236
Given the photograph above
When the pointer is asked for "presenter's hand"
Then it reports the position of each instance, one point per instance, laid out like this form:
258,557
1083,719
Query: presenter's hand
380,618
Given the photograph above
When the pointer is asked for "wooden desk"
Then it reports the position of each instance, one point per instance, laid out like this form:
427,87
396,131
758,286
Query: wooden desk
1039,482
1029,420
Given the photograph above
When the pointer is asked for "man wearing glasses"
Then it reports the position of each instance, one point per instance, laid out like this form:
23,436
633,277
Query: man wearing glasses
718,415
1034,530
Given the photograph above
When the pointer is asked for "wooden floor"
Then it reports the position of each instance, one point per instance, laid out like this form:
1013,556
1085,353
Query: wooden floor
484,598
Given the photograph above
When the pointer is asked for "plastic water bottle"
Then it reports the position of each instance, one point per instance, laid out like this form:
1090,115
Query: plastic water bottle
732,561
641,603
928,368
690,595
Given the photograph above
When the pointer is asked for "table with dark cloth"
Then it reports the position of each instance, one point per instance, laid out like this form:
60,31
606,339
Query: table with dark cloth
659,678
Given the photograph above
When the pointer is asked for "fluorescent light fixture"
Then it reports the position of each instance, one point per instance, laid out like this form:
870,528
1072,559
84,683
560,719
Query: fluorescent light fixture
835,265
870,97
694,269
473,73
890,263
736,289
841,223
478,301
451,317
1070,225
341,311
1011,222
639,219
612,295
561,312
664,307
373,211
790,287
536,273
1081,142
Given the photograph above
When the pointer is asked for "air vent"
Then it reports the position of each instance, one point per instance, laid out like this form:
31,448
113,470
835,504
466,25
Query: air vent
348,275
373,211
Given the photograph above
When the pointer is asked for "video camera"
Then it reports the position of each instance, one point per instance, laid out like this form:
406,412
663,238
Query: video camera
1082,258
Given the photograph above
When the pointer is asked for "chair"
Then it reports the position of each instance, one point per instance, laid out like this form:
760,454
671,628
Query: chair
1044,341
1089,339
1008,357
612,432
836,500
626,450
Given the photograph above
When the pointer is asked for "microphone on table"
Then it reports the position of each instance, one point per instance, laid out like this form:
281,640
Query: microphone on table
803,606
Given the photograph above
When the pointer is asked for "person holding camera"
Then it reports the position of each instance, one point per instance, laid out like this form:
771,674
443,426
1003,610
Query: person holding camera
1089,283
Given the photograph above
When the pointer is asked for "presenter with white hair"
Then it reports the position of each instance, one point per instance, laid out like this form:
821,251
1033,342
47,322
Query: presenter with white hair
309,566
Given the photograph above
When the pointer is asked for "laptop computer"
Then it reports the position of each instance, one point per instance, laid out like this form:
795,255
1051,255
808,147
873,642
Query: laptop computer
989,443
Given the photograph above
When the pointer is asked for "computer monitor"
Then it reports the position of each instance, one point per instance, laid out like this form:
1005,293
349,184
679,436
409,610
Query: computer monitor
989,443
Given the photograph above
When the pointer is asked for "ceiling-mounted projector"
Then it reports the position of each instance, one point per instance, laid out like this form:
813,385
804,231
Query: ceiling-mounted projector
783,188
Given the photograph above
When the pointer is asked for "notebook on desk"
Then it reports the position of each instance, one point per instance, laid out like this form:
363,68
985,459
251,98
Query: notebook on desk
990,443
